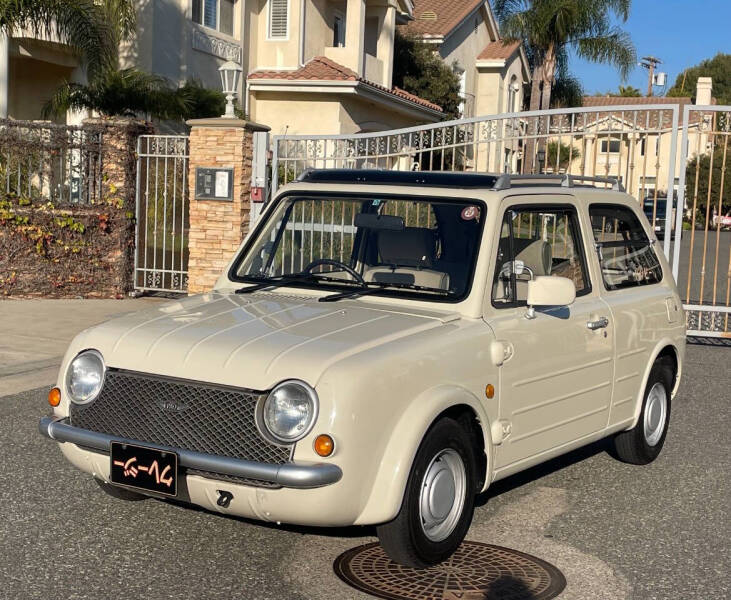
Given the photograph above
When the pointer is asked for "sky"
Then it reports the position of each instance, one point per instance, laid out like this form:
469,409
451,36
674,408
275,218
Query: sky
681,34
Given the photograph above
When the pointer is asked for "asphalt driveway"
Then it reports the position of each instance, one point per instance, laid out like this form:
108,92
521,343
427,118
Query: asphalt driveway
616,531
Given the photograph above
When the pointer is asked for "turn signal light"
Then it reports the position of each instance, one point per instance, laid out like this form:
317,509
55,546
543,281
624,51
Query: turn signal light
324,445
490,390
54,397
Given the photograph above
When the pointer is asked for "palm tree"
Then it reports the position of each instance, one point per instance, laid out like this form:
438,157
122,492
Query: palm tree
628,91
549,28
85,25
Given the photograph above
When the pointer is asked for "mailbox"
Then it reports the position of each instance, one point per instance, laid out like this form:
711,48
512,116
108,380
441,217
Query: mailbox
214,183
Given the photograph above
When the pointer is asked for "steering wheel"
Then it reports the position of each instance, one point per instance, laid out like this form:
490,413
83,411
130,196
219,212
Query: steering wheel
335,263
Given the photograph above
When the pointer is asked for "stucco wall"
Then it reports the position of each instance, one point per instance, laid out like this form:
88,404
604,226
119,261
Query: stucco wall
463,47
33,82
491,96
314,113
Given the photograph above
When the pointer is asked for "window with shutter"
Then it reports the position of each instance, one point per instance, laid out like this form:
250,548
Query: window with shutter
278,18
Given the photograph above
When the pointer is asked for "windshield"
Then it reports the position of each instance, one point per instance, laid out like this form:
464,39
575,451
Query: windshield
415,247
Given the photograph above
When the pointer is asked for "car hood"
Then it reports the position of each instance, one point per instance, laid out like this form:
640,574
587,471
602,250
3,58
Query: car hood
251,341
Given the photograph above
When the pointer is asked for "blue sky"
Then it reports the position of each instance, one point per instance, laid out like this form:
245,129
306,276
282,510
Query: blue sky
680,33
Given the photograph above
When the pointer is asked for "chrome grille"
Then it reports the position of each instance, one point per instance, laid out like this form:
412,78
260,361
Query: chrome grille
179,413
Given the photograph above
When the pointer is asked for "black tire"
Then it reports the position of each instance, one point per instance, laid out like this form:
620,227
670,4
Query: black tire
119,492
404,539
632,446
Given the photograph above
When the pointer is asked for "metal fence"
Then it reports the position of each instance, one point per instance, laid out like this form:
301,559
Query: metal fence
47,162
704,260
161,258
636,144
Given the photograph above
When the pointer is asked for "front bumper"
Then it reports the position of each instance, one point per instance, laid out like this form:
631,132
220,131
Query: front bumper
288,475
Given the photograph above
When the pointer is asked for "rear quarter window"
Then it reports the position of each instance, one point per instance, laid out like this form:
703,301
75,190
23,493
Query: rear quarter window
626,254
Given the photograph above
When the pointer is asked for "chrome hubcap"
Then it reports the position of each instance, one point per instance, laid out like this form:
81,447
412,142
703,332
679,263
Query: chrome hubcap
656,411
442,495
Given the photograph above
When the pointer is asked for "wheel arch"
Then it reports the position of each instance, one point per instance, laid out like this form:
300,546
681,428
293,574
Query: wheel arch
664,349
426,409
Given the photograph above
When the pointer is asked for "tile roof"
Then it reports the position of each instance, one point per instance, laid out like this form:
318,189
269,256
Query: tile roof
498,50
321,68
651,117
435,17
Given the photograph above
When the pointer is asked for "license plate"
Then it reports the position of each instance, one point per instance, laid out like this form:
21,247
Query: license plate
144,468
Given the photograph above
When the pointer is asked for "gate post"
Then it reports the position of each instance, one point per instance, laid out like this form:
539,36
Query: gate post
219,184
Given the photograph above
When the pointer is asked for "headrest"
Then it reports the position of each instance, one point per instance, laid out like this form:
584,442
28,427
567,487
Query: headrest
409,247
537,255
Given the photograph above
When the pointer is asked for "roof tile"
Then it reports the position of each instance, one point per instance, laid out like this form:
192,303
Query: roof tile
498,50
321,68
435,17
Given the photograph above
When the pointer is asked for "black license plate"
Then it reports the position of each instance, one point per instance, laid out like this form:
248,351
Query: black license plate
144,468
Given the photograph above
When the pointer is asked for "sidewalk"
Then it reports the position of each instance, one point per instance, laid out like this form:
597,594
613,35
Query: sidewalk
34,335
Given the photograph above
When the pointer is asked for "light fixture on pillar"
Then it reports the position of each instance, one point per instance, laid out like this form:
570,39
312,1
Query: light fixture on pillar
230,73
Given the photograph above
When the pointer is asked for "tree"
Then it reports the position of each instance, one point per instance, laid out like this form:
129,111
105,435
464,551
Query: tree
112,91
418,70
549,28
718,68
129,92
83,24
627,91
560,156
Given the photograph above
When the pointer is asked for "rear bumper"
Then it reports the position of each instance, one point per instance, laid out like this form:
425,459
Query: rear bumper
288,475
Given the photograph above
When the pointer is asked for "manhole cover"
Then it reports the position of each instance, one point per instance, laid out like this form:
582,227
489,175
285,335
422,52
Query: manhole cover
475,571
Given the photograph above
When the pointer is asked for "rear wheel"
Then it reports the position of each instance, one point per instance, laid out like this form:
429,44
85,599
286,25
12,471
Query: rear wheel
437,508
642,444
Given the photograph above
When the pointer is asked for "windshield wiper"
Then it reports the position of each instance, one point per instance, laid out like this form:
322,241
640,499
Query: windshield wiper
273,282
282,280
378,288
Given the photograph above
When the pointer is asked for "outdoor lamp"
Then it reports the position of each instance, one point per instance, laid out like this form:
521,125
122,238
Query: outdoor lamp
541,157
230,73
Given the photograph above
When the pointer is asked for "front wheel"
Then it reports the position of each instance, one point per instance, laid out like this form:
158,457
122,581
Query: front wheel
438,503
642,444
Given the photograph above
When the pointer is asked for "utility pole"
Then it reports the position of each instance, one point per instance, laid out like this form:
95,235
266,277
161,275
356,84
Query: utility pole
649,63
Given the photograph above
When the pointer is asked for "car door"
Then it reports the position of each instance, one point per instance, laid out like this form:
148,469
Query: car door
555,385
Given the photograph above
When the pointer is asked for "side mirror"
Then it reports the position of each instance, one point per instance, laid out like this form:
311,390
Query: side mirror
545,290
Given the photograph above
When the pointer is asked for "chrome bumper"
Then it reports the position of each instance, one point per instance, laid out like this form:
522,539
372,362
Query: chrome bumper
290,475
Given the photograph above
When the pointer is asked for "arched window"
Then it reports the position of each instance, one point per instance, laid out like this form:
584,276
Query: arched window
513,89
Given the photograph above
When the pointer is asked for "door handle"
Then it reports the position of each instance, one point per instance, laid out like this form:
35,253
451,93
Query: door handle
600,323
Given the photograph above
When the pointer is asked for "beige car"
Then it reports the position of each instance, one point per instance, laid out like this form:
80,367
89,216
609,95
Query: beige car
383,347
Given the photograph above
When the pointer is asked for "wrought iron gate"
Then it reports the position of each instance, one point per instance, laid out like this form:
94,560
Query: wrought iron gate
637,144
702,261
161,257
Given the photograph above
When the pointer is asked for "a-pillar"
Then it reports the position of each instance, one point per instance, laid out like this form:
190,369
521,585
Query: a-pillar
217,226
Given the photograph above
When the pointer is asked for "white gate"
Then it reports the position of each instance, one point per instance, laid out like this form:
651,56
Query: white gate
636,144
161,254
702,262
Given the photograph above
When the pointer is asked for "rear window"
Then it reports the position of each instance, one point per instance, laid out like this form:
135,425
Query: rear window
626,254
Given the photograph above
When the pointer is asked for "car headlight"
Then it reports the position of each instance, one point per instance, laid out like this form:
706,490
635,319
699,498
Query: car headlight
289,412
85,376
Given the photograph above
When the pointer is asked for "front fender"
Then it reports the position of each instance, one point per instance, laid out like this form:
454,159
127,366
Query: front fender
389,484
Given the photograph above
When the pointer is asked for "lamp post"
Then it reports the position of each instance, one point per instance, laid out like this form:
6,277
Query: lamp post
230,74
541,157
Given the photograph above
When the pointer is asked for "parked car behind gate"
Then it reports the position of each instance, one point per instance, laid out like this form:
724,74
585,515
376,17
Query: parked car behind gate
382,348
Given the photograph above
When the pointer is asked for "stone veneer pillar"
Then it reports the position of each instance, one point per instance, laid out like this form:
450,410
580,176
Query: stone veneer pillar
217,227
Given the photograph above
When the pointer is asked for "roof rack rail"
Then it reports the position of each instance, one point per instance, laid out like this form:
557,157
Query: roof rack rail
505,181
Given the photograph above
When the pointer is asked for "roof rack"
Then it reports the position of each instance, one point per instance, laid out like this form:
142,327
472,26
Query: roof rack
487,181
506,180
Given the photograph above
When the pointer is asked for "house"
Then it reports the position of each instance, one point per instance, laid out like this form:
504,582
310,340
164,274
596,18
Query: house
321,66
634,147
493,75
325,66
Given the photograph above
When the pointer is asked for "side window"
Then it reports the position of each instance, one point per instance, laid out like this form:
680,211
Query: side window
537,241
626,255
